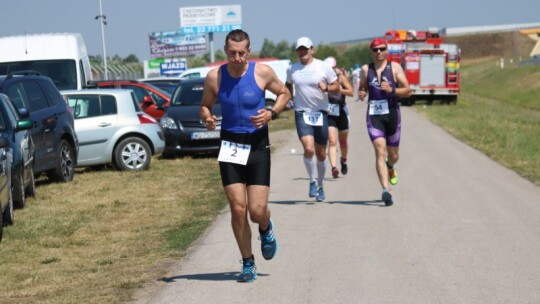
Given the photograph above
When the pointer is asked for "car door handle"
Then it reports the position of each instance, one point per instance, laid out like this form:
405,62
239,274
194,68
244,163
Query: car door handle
104,124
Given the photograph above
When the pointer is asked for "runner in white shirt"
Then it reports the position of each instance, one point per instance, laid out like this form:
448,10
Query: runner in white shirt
312,79
356,81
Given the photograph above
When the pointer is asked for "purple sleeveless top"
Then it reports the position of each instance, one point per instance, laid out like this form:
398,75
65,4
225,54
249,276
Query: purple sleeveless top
374,86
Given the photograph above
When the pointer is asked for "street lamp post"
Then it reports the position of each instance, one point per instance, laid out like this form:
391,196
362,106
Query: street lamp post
103,22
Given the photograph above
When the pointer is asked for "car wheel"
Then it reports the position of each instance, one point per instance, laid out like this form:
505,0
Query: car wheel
17,186
31,187
132,154
8,216
65,165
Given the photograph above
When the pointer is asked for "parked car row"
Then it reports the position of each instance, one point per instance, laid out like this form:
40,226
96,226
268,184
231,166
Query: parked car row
178,114
43,130
16,160
37,136
122,123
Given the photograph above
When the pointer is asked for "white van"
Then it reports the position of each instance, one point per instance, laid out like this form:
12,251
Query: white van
280,68
60,56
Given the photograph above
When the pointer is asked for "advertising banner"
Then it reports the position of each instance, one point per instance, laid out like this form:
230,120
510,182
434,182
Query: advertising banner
174,44
163,67
210,19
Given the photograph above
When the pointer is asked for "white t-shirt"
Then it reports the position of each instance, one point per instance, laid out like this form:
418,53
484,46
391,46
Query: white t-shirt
356,74
308,97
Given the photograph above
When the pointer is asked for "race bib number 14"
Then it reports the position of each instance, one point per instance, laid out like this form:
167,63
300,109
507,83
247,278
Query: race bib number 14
333,109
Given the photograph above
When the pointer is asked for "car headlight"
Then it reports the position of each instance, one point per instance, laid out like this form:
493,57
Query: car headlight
168,123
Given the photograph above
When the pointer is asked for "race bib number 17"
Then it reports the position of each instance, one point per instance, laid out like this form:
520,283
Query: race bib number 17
313,118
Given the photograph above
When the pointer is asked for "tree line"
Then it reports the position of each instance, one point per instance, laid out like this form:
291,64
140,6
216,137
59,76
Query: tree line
346,55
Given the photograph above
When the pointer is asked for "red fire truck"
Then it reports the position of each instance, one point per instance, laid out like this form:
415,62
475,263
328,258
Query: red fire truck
431,66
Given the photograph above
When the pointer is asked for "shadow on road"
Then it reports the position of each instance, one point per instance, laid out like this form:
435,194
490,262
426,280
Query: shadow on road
219,276
374,203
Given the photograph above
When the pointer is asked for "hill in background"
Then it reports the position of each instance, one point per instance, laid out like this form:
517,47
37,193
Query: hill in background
501,44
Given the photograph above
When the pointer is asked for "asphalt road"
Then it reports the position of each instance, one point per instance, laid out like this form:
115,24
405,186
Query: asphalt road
463,229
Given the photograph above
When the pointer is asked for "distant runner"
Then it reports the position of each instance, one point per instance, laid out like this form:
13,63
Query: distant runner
338,120
385,82
311,79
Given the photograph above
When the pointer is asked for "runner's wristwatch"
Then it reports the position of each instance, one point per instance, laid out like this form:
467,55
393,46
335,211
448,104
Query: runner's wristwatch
274,113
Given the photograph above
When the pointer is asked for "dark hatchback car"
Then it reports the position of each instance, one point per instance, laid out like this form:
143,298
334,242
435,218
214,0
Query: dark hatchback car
15,127
6,201
182,126
53,131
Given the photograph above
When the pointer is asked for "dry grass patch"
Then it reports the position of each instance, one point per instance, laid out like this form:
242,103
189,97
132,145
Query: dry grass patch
93,240
105,234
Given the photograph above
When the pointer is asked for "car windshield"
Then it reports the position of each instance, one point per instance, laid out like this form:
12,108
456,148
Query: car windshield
63,72
188,94
166,93
167,86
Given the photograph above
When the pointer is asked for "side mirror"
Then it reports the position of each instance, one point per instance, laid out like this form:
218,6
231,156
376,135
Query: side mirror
24,124
147,99
24,112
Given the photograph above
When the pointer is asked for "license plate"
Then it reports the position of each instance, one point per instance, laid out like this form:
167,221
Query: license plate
205,135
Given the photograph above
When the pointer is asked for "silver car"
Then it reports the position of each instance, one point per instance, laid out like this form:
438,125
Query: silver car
112,128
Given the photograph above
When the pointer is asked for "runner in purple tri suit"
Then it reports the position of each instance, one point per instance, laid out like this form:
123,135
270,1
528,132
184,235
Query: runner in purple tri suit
385,82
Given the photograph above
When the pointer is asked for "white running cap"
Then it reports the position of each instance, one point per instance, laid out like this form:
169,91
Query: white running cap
304,41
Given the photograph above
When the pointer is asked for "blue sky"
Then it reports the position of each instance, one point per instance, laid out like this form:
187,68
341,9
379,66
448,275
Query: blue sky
130,22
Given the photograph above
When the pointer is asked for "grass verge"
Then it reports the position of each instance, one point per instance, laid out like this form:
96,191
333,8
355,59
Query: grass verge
497,113
106,233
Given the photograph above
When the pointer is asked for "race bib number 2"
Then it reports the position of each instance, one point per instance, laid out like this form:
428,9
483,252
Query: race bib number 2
378,107
235,153
313,118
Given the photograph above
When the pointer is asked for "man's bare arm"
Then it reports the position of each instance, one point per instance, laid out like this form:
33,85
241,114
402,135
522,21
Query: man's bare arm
209,99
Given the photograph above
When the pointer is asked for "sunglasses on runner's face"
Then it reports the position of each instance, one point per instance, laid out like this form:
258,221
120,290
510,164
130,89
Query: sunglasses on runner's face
381,49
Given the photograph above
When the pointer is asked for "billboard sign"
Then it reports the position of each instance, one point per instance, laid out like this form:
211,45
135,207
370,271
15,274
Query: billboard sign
174,44
210,19
163,67
172,67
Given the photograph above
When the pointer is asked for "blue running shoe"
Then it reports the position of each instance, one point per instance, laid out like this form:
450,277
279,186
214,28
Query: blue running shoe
387,198
249,271
320,195
268,242
312,189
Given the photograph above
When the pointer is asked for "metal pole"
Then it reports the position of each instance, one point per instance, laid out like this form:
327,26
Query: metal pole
211,40
103,23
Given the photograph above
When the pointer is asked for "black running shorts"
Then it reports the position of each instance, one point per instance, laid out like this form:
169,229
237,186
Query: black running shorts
257,169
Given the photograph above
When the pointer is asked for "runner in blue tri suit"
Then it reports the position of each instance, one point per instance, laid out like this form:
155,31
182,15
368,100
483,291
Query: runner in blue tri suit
385,82
244,157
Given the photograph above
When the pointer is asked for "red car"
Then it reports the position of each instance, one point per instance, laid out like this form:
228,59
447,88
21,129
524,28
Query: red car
153,100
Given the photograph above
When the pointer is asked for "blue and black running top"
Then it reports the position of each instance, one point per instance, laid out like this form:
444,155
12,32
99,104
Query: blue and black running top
374,85
240,99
